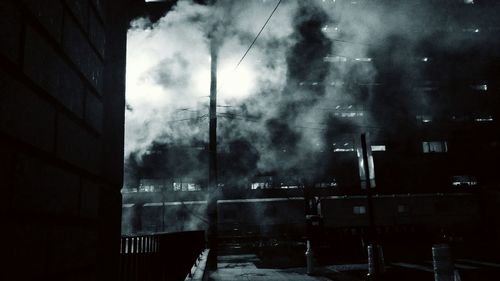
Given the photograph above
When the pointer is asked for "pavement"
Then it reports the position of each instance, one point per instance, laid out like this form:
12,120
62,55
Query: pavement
242,267
246,268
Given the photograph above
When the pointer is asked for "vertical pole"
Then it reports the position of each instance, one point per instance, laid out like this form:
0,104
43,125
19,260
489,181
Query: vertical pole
369,210
212,165
212,144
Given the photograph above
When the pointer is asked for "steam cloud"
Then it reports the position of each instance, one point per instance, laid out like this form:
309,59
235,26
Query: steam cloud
282,107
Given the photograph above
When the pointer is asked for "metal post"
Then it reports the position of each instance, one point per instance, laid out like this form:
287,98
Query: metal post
443,263
309,258
369,211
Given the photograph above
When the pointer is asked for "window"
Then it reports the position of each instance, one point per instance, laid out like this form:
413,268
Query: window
259,185
463,180
434,146
343,147
380,147
424,118
480,87
485,118
359,210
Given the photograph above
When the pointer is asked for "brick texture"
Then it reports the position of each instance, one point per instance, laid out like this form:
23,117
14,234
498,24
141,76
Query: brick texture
47,69
61,123
89,206
96,32
93,111
77,145
32,251
44,189
6,170
80,10
72,248
24,115
50,15
11,17
78,47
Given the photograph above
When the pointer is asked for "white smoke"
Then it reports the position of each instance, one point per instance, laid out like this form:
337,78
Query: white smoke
168,68
168,72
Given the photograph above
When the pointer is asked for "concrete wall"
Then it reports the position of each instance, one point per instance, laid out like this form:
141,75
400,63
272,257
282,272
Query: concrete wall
62,81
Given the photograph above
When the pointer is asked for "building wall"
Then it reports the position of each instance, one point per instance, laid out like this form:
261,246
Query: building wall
62,80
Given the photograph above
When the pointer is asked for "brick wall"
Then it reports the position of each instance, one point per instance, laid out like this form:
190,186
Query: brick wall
62,71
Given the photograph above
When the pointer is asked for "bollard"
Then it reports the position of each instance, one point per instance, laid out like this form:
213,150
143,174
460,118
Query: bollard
371,261
442,262
309,258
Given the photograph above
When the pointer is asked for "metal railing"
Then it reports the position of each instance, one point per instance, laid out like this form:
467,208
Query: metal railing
165,256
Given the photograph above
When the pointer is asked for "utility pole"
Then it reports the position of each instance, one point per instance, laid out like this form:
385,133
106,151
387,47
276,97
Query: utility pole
212,191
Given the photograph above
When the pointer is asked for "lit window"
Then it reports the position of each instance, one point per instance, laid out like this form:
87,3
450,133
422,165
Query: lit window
480,87
363,59
349,114
488,118
378,147
434,146
424,118
259,185
193,187
471,30
343,147
463,180
359,210
334,59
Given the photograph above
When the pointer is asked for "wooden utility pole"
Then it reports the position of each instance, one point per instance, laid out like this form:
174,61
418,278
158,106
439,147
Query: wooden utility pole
212,192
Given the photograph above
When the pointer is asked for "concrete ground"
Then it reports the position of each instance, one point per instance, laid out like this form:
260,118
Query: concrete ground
245,268
242,267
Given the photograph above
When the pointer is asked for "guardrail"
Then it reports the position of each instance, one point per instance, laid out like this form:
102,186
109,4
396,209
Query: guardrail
164,256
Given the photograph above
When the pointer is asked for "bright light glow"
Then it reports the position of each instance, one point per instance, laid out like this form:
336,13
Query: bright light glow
343,150
349,114
434,146
233,83
464,180
473,30
359,210
484,119
334,59
480,87
378,147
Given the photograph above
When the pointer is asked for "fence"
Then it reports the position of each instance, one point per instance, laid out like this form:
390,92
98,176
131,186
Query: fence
165,256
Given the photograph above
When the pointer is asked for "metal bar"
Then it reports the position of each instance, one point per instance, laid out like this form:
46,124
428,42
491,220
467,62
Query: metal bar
369,207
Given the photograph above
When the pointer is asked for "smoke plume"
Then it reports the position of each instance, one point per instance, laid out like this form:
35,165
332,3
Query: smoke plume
310,78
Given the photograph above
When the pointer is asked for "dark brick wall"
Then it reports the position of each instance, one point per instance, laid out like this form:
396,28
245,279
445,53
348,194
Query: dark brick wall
62,97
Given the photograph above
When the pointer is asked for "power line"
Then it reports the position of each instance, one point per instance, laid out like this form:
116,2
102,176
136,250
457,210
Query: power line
351,42
188,119
254,40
